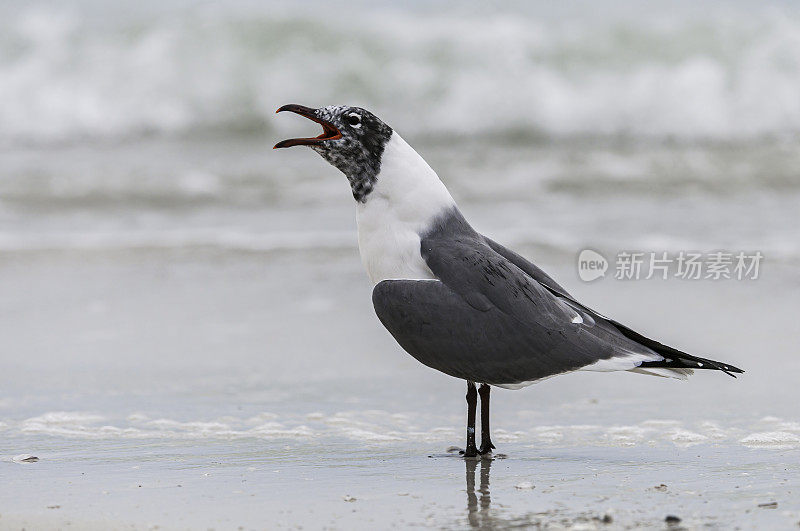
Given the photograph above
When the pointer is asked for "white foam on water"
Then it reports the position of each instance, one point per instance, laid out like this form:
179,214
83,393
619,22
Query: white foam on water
382,427
687,438
252,241
176,239
772,439
61,418
675,72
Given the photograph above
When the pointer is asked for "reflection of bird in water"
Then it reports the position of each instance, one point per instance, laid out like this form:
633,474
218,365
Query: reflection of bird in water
478,513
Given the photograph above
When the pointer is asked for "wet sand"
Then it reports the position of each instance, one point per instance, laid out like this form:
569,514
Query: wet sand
333,485
189,426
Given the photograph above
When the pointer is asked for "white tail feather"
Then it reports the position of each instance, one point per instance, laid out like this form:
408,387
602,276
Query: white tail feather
664,372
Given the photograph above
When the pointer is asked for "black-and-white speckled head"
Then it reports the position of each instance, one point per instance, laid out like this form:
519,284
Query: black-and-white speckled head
353,140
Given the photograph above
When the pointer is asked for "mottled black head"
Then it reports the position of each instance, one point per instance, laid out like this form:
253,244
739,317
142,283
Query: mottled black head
353,140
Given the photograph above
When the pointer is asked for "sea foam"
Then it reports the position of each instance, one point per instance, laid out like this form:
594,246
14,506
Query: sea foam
381,427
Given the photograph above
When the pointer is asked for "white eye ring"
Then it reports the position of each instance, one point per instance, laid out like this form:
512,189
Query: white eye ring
351,118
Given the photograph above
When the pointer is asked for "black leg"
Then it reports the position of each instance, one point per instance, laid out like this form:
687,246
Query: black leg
472,404
486,438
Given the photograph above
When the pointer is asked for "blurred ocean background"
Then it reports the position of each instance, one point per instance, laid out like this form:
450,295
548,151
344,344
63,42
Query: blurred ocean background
178,302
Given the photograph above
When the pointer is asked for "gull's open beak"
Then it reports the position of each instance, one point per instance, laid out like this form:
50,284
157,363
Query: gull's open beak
329,131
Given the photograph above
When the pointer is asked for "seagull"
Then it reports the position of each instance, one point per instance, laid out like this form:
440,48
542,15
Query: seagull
460,302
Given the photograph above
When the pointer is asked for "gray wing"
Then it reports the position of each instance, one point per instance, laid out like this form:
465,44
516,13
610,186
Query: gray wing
442,330
673,358
528,267
486,320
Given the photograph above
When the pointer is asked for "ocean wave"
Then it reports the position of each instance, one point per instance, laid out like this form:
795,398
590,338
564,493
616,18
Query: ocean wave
547,244
179,239
685,73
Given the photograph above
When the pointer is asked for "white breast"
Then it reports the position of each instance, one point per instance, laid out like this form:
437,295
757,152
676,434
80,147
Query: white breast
407,197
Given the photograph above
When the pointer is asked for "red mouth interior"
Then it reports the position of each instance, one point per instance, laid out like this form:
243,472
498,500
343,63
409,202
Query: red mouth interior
329,132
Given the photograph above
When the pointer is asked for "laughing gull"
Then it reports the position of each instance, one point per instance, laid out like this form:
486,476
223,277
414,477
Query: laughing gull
456,300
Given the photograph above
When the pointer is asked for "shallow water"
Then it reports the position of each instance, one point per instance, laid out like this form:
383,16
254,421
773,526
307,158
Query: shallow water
184,309
275,379
229,485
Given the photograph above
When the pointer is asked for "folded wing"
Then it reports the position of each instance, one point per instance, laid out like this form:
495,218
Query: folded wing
675,363
486,320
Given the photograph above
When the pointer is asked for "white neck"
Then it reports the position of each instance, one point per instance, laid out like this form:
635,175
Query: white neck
407,197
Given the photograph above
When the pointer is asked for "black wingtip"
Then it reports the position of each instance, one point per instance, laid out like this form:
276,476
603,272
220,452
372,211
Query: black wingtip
727,369
686,361
733,375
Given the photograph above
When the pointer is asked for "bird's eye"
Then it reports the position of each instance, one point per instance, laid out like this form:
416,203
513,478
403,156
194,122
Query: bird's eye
354,120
